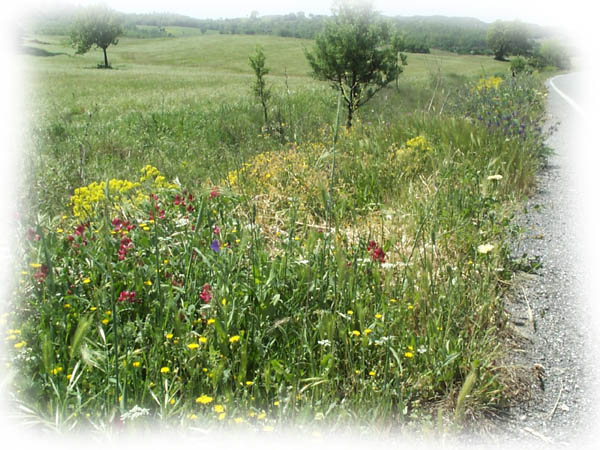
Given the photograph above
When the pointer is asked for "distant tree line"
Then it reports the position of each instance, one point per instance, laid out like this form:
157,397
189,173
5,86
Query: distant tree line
417,34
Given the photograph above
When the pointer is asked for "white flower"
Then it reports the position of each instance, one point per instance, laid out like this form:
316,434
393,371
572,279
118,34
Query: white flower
324,343
485,248
495,177
134,413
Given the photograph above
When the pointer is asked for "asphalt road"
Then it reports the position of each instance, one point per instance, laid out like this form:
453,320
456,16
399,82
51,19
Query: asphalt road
554,310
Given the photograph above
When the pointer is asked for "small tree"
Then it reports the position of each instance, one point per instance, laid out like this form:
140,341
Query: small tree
97,26
257,62
508,38
354,53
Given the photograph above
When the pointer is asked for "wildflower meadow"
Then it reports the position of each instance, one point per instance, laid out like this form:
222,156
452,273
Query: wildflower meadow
330,276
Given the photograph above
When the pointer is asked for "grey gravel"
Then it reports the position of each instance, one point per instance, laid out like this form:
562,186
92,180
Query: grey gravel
549,309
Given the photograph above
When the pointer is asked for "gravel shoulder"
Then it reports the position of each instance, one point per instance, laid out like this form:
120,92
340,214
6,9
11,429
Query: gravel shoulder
549,308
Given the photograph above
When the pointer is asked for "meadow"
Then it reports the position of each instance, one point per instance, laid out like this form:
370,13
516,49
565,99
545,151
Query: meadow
183,261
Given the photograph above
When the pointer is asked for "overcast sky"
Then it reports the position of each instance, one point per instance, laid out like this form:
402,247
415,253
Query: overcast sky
543,12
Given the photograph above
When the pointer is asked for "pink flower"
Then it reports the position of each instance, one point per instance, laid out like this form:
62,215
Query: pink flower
41,274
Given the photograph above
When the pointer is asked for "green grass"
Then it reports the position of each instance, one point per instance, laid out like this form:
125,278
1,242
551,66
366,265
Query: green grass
289,272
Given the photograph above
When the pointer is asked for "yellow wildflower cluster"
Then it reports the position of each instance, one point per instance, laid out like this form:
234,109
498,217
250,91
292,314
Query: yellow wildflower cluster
85,199
419,143
488,83
412,155
152,173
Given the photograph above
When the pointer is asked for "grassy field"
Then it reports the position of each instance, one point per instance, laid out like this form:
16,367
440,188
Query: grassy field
183,261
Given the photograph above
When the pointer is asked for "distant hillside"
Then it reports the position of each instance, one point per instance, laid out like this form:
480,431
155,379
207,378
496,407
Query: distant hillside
455,34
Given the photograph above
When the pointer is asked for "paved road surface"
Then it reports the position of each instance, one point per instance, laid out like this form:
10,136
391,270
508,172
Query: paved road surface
555,309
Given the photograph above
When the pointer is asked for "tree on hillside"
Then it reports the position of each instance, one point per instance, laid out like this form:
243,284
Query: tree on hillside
354,53
508,38
97,26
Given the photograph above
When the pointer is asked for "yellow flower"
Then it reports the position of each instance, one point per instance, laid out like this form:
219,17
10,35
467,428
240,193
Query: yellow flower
409,355
238,420
193,346
276,403
169,336
57,370
372,373
210,321
105,321
192,416
367,331
218,409
261,416
93,308
222,416
172,401
233,339
148,283
350,312
356,333
202,339
164,370
136,364
35,265
204,399
249,383
378,316
86,280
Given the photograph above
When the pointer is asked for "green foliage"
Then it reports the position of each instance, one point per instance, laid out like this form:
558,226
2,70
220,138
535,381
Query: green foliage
554,54
518,65
354,54
97,26
259,87
508,38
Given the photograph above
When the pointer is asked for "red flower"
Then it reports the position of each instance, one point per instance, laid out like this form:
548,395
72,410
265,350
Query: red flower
179,200
128,296
214,193
118,224
79,229
126,245
206,295
377,253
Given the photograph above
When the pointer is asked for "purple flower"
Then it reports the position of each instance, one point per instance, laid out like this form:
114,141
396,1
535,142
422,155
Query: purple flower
215,246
